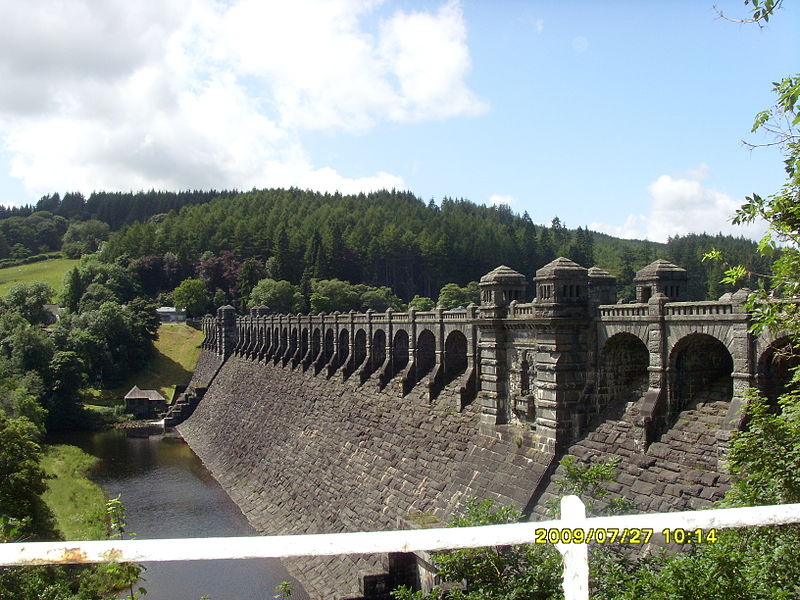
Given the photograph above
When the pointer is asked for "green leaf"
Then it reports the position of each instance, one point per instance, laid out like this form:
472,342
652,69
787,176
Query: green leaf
734,274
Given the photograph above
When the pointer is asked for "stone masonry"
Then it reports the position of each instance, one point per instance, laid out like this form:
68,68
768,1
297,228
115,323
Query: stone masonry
348,422
302,454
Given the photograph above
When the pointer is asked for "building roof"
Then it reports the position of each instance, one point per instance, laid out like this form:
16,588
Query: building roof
505,275
561,267
136,393
168,309
658,269
598,273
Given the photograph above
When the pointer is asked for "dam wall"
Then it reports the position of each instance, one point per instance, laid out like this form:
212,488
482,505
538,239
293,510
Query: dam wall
304,454
366,421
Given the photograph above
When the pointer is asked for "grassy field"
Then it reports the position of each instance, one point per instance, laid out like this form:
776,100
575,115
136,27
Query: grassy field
77,503
50,271
177,350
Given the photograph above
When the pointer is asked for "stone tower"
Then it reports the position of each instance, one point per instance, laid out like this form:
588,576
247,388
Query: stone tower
661,276
500,286
562,287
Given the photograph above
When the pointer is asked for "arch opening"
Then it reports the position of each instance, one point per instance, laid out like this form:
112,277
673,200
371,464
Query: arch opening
303,342
701,369
344,347
327,351
455,355
399,351
359,347
775,366
426,353
622,372
316,343
281,339
378,350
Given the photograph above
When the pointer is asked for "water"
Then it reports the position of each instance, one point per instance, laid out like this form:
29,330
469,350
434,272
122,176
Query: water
168,493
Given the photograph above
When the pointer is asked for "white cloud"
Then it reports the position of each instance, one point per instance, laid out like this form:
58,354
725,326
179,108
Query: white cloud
538,25
197,93
496,199
679,205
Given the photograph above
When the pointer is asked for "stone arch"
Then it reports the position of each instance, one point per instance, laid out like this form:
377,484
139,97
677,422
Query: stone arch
293,341
700,367
328,345
622,374
399,351
426,353
304,341
719,331
606,331
344,347
455,355
378,349
775,368
276,342
359,347
316,342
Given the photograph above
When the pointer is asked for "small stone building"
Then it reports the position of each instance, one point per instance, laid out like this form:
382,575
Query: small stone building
145,404
170,314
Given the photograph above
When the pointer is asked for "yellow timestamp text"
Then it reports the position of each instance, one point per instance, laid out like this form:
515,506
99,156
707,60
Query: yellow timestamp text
621,535
689,536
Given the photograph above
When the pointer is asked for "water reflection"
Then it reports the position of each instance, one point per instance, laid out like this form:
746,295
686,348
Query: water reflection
168,493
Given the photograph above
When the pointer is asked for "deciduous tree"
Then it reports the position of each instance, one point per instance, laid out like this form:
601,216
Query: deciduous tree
192,296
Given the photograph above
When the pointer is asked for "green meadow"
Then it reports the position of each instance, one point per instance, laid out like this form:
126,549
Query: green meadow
176,352
49,271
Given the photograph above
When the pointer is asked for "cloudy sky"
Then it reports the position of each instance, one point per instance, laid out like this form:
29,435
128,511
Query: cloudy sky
624,116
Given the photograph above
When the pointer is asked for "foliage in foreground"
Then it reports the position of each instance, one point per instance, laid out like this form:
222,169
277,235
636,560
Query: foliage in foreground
523,572
765,464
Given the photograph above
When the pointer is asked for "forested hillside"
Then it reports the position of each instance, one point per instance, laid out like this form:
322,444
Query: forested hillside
30,230
394,239
230,241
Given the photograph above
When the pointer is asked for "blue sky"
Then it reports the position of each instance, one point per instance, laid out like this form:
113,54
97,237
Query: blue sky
623,116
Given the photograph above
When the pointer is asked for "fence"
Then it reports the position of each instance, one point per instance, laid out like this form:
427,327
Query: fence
573,524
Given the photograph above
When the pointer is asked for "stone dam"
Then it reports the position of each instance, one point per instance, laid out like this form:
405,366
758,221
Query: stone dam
359,421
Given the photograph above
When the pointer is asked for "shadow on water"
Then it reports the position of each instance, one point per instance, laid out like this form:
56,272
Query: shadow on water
168,493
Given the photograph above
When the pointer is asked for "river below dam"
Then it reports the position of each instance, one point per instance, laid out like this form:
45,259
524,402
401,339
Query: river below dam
168,493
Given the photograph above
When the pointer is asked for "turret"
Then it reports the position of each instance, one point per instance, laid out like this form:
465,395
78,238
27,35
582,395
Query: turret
562,282
500,286
664,277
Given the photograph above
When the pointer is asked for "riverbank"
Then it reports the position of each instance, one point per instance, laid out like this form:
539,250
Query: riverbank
168,493
77,503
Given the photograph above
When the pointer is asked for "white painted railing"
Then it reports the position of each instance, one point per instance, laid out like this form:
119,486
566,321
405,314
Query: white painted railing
572,524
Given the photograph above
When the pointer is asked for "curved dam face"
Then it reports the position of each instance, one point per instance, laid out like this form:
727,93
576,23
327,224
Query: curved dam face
358,421
303,454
